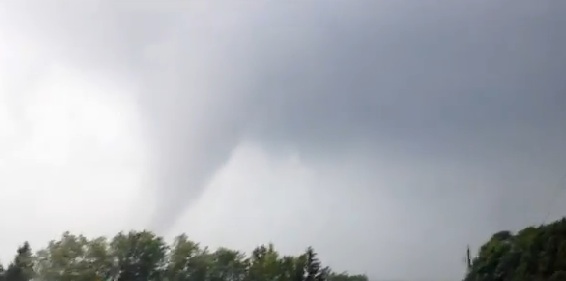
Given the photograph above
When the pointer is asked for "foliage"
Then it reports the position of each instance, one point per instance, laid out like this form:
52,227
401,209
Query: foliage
142,255
21,269
534,253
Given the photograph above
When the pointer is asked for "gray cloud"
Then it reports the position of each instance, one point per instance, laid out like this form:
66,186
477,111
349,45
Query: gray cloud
457,108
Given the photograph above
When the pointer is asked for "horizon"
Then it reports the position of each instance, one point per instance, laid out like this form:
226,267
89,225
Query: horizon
397,132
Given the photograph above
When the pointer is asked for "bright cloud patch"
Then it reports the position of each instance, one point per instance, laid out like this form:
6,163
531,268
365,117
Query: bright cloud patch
71,158
253,189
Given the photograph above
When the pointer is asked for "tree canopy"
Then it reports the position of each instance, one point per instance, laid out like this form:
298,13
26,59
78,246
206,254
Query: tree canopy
534,253
144,256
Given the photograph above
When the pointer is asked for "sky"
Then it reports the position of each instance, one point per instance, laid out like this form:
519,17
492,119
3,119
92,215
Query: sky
387,134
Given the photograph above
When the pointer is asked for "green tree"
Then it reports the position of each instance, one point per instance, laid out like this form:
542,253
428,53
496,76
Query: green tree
313,269
187,261
75,258
65,260
227,265
299,268
100,259
139,256
287,267
534,253
183,252
21,269
266,264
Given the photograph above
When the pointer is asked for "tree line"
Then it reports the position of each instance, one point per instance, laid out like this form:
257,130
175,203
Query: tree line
534,254
145,256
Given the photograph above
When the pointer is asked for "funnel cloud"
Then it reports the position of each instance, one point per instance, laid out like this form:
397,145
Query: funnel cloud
405,129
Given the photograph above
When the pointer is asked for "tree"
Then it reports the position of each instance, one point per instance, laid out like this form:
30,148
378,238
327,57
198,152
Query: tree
299,268
139,256
64,260
100,259
21,269
313,268
142,255
287,267
227,265
183,251
2,273
534,253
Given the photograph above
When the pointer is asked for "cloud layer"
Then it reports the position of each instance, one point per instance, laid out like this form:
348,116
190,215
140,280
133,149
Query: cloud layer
403,129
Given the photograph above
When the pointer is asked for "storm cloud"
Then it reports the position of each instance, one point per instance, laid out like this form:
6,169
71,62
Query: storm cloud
404,129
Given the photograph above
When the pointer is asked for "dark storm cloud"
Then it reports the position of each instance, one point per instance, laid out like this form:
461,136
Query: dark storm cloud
476,86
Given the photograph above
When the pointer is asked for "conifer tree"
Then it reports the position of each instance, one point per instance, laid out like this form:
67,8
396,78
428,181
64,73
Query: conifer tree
313,270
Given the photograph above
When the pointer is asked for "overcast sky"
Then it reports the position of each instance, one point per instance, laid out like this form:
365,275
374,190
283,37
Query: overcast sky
387,134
